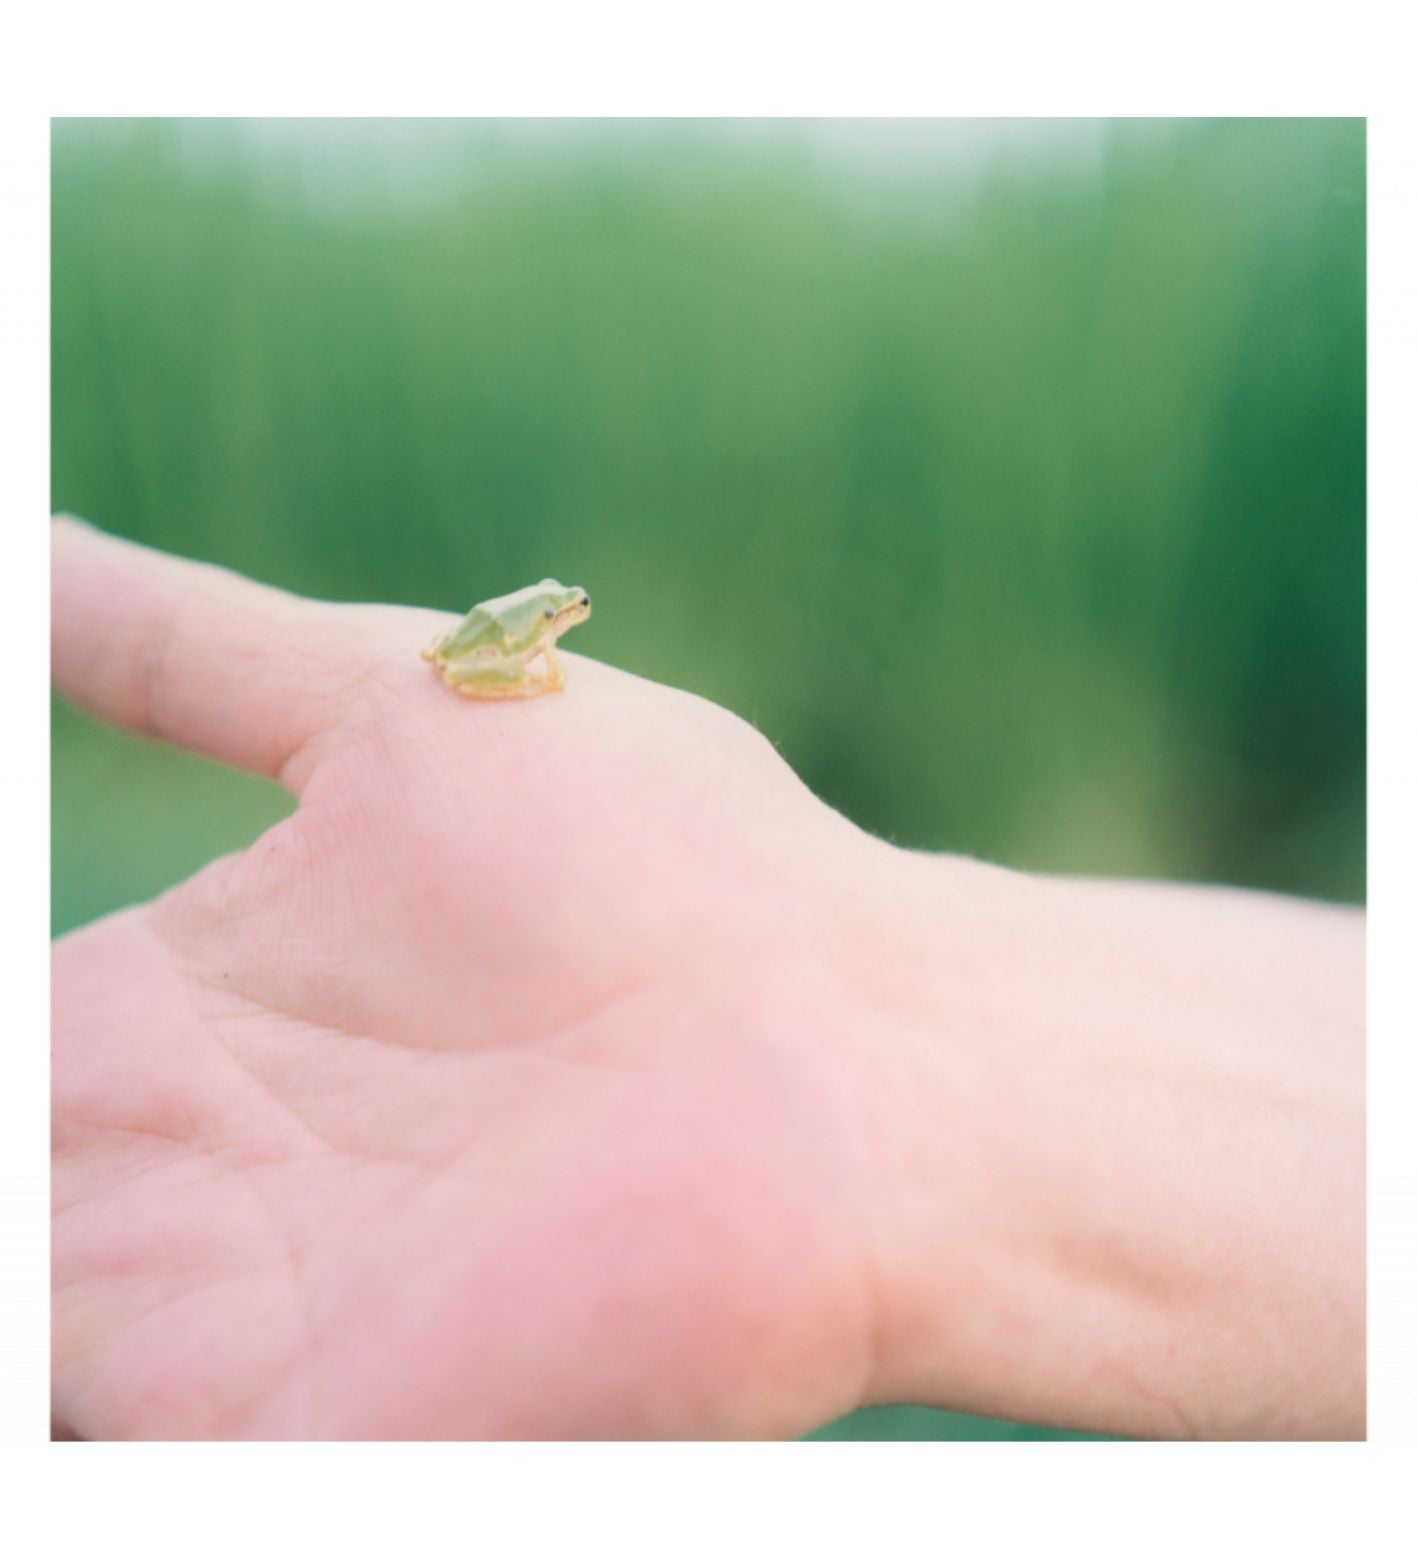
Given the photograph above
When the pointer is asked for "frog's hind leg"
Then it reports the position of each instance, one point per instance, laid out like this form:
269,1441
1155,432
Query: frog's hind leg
514,679
508,680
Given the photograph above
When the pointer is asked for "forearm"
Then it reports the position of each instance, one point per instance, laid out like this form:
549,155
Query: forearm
1124,1127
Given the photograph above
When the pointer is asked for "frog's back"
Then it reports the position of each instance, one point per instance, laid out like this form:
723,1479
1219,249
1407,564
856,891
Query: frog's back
480,629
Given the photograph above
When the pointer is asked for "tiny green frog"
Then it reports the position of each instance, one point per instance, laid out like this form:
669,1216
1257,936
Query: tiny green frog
491,651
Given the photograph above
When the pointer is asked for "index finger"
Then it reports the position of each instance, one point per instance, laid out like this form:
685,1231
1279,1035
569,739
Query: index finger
198,656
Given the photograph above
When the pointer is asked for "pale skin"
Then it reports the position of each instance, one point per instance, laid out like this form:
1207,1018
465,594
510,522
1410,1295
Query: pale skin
564,1068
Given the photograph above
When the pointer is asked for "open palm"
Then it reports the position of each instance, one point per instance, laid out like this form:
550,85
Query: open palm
494,1092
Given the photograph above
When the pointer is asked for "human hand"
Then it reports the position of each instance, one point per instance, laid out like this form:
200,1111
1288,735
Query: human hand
564,1068
481,1096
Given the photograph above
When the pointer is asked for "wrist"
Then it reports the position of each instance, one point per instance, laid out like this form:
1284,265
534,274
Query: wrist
1117,1140
925,991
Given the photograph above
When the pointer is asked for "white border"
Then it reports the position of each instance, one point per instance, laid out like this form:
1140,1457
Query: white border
729,59
1392,787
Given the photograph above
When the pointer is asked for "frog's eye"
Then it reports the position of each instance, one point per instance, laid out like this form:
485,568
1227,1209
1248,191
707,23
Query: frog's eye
585,600
549,614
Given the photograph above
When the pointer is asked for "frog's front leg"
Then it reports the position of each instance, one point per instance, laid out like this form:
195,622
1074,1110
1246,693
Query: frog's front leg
555,678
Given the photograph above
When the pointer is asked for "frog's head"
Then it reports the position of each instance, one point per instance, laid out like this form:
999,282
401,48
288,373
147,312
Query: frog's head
544,613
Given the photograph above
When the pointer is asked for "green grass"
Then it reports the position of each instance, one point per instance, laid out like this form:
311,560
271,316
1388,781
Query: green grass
130,818
1027,518
922,1423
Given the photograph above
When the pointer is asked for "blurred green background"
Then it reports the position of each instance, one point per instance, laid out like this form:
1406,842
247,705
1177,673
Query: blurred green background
1008,474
